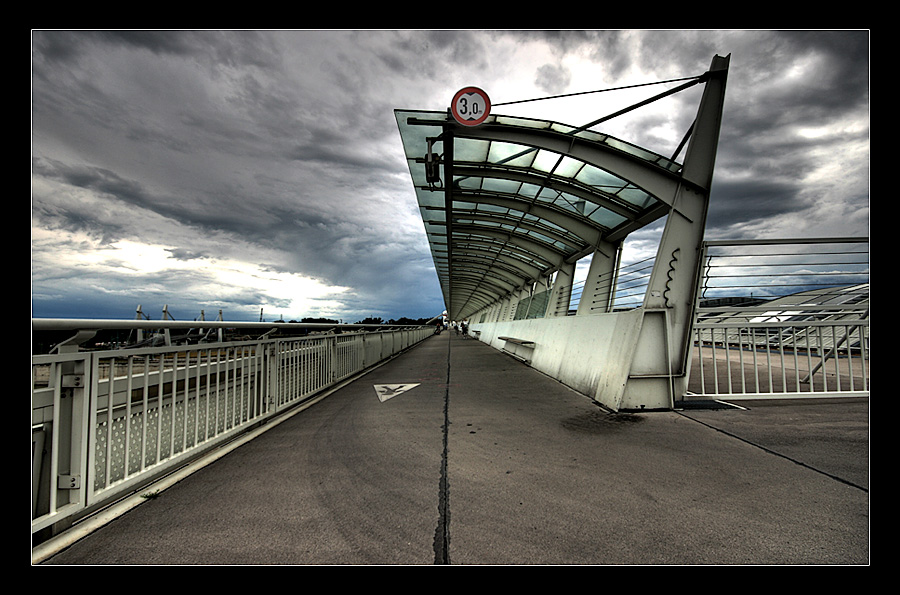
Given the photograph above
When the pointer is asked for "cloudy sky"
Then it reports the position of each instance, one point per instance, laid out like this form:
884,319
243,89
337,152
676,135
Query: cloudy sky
249,170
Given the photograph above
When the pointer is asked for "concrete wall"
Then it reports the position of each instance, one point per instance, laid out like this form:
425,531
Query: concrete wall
591,354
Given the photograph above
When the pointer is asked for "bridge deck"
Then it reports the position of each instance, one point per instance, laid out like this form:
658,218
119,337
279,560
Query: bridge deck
526,472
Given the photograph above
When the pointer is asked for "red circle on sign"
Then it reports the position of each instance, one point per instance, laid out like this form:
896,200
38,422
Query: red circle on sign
470,119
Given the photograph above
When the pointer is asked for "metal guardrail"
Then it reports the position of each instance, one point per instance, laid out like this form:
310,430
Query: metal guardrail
783,318
775,318
106,423
629,284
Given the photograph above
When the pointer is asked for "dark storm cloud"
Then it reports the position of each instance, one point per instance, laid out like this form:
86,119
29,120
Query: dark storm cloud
551,77
129,195
781,86
288,153
432,51
215,48
93,178
278,149
745,201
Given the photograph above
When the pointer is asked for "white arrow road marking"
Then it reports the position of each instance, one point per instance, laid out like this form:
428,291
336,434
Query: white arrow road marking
386,391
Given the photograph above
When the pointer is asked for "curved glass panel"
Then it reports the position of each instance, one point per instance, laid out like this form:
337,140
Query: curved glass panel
520,209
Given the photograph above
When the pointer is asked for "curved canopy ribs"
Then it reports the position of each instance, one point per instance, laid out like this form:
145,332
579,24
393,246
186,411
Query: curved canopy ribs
513,200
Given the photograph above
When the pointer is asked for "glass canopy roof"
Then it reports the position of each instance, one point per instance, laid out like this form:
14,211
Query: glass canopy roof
527,196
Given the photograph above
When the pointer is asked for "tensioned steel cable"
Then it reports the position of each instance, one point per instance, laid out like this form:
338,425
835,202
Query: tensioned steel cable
693,80
687,78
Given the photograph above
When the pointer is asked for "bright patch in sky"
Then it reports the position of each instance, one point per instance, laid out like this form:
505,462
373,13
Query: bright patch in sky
120,266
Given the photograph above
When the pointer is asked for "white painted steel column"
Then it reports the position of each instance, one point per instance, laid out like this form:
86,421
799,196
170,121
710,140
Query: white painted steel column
519,295
540,286
662,354
673,283
561,294
599,284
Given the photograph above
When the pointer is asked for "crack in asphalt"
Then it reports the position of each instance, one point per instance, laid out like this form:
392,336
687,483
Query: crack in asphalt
442,531
778,454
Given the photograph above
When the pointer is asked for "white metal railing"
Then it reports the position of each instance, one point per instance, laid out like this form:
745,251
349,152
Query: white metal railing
629,283
782,318
104,423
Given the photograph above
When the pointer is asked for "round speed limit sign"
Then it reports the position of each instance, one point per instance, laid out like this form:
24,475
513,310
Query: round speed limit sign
470,106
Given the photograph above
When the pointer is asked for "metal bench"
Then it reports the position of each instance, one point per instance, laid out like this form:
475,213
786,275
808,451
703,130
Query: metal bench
516,341
521,350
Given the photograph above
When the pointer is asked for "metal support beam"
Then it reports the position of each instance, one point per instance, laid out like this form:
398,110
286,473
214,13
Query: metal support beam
673,283
599,285
447,138
561,294
662,355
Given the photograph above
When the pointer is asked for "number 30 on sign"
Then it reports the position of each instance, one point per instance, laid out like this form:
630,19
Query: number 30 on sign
470,106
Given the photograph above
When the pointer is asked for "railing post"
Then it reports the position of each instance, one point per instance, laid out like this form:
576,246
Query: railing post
332,359
70,441
77,464
271,366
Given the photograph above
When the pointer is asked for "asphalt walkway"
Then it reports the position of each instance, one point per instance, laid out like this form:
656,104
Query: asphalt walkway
455,453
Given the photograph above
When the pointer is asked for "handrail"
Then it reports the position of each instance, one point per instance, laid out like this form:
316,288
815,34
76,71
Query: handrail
776,241
59,324
106,422
777,342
